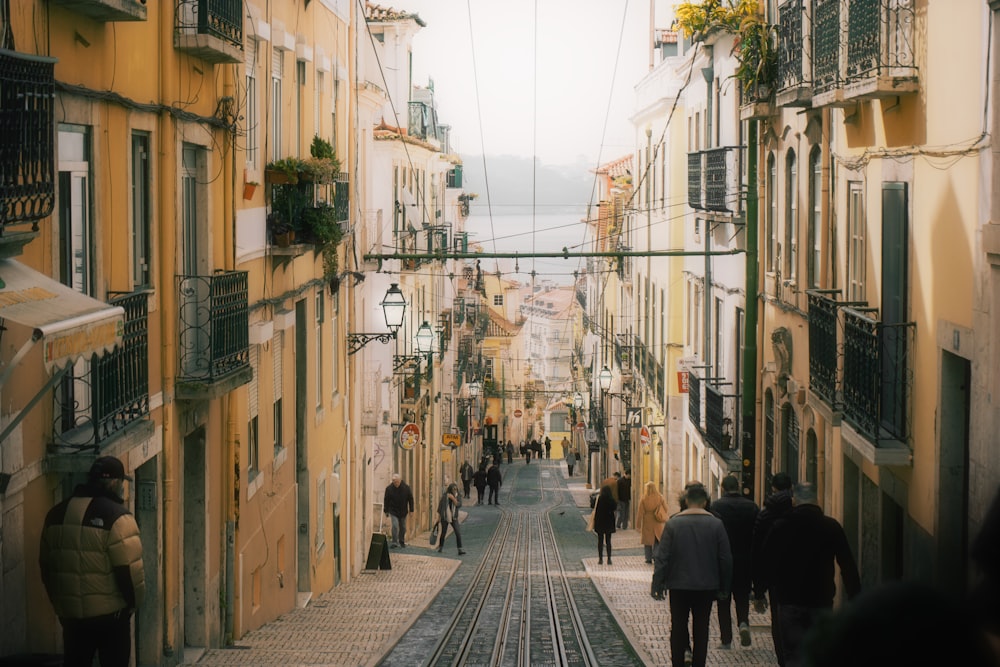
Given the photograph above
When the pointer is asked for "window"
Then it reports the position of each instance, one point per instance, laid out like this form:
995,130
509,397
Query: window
717,352
277,72
856,242
791,217
277,366
141,208
498,299
815,216
740,338
253,449
251,110
772,214
333,111
335,355
321,513
300,91
320,315
318,102
253,401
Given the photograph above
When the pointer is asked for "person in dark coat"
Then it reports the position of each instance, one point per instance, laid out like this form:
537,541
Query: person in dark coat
466,473
776,506
479,481
604,522
695,563
624,499
801,550
548,446
447,511
510,451
526,453
495,481
738,515
398,504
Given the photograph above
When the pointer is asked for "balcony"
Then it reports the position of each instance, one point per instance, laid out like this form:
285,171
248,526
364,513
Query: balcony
863,49
714,180
877,375
823,312
27,153
214,332
342,197
101,400
794,88
106,10
210,29
422,122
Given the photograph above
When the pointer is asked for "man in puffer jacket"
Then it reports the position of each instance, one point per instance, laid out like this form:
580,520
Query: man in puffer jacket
91,563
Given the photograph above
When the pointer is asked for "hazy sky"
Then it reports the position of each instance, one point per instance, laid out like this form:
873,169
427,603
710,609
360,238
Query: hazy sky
545,71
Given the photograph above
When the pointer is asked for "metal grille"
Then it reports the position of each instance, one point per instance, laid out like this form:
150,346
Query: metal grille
790,44
714,415
823,347
27,155
694,400
342,197
694,180
221,18
879,38
214,325
826,46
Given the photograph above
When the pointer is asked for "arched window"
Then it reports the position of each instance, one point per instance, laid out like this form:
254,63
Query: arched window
815,217
791,217
772,214
790,442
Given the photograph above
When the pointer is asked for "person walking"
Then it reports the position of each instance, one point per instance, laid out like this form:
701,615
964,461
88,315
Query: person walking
611,481
776,505
495,481
650,517
479,481
548,447
695,563
91,564
466,473
738,514
397,502
624,499
570,456
801,550
447,511
510,452
526,453
604,522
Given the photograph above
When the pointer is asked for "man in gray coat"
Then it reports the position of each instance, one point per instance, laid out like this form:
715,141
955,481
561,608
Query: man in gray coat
694,562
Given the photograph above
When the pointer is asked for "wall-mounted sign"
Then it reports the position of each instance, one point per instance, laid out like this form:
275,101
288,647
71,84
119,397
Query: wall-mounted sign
451,440
409,436
518,413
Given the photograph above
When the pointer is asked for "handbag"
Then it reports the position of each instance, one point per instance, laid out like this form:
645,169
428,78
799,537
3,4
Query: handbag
590,522
434,534
661,514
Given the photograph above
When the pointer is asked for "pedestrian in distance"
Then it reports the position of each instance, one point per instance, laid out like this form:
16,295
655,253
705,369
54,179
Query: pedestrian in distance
447,511
526,453
695,563
570,458
651,516
479,481
548,447
738,514
466,473
510,452
604,522
495,481
624,499
776,505
397,502
801,550
91,565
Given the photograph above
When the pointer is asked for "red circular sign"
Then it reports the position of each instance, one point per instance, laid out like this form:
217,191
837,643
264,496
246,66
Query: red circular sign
409,436
580,426
518,413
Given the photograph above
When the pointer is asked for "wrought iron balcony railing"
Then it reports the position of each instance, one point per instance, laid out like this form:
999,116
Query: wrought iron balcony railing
694,401
342,197
877,375
823,312
714,180
100,397
794,63
214,326
422,121
27,154
863,49
210,29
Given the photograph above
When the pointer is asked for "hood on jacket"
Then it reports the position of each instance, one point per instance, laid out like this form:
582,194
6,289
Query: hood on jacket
779,500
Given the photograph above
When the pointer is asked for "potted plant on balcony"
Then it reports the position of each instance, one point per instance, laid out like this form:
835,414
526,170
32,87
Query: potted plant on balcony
322,228
281,229
758,60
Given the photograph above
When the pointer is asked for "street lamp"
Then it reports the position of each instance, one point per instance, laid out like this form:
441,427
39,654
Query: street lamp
604,377
604,380
425,339
473,388
393,307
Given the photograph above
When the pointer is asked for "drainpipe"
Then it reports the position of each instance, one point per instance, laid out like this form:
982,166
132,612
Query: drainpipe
170,561
749,422
230,476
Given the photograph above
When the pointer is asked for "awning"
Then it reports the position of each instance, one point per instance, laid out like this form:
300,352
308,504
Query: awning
69,324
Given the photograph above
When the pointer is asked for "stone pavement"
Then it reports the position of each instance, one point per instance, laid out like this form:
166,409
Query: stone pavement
357,623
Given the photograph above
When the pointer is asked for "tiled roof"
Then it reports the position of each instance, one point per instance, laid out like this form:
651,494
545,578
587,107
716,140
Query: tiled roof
379,14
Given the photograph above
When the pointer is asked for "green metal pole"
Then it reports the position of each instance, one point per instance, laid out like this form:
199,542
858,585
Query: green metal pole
749,421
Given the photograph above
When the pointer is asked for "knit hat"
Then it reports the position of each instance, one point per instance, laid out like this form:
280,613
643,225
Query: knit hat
108,467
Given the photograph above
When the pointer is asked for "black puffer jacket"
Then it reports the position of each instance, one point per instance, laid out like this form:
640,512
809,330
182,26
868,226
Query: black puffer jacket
91,555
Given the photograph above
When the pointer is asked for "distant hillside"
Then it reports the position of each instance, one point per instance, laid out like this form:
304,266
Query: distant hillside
557,189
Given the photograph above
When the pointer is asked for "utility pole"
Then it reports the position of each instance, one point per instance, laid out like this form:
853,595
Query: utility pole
749,422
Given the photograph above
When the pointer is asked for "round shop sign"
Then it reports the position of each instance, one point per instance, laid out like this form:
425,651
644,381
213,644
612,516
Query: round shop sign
409,436
518,413
644,436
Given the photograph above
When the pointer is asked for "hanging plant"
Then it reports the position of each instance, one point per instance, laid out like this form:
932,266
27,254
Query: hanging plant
758,58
